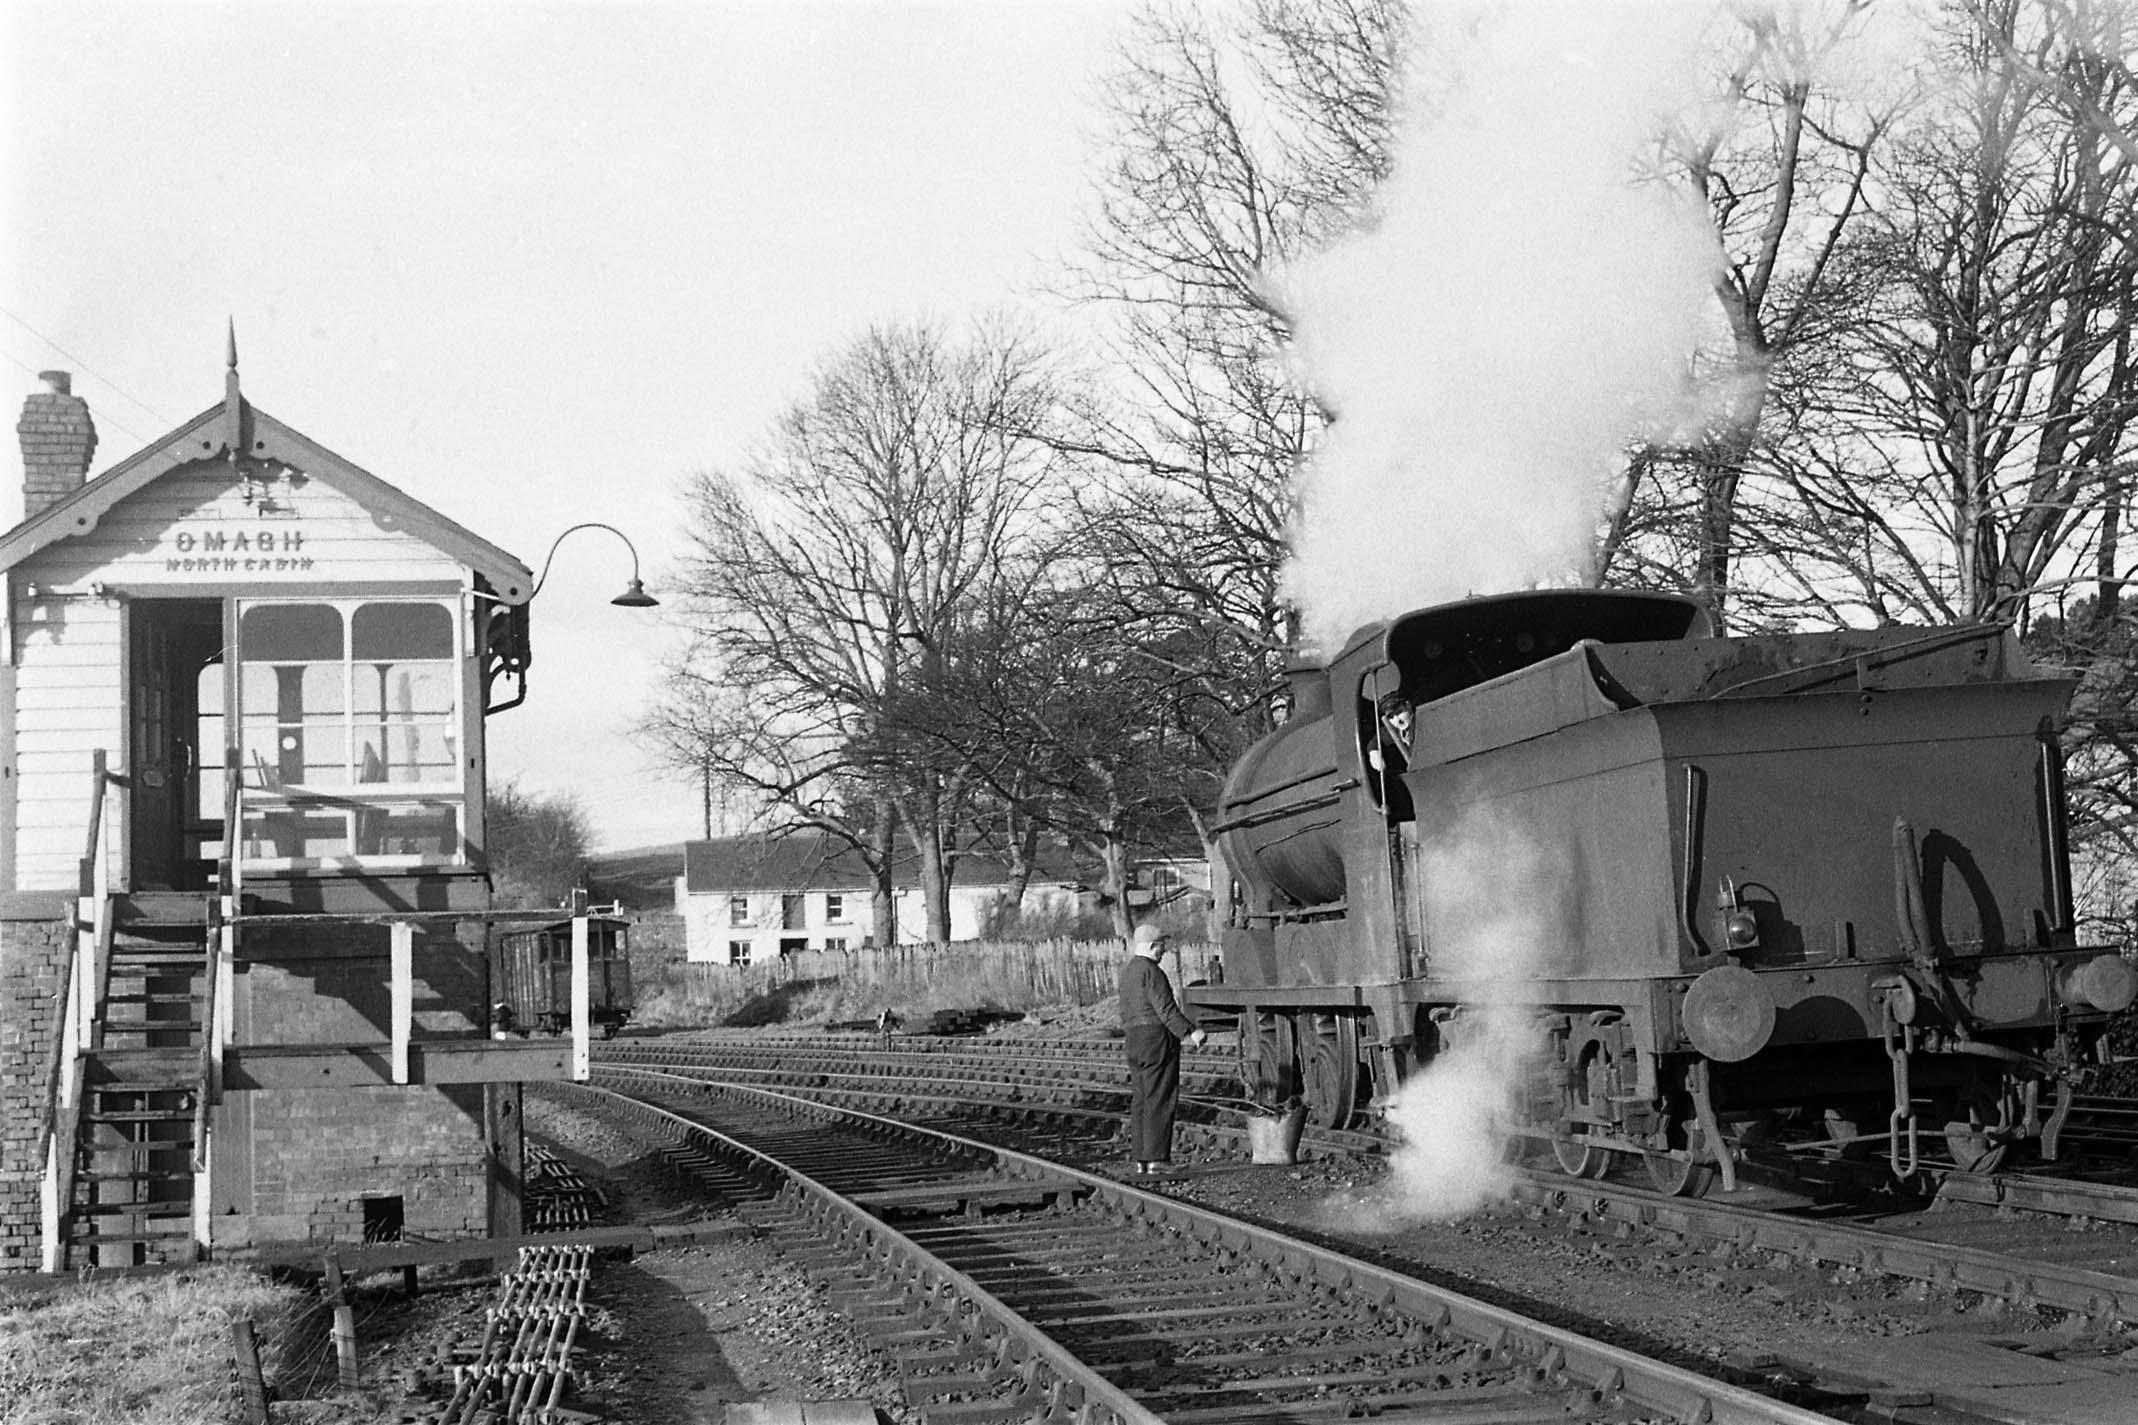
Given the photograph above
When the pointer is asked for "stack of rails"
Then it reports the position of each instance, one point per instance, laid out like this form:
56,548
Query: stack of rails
523,1368
557,1198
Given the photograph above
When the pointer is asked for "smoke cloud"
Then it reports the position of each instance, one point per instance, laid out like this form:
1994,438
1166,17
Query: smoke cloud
1517,311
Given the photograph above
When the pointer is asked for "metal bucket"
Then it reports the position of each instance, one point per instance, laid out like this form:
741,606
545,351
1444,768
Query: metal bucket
1274,1137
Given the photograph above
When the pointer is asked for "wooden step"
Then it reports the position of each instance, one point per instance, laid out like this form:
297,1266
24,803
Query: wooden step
99,1239
133,1090
137,1116
168,1147
161,908
172,1067
160,1207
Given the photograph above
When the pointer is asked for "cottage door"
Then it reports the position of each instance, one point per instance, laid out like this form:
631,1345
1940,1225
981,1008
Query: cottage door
172,640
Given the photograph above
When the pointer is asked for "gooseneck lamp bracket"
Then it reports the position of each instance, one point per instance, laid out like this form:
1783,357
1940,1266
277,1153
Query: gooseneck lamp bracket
634,595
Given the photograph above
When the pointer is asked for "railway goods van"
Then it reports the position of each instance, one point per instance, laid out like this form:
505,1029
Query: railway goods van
534,970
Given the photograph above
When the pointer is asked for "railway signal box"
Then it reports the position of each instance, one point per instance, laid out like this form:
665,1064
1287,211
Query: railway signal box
245,928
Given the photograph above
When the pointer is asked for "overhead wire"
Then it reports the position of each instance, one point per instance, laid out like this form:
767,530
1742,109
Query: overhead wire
91,371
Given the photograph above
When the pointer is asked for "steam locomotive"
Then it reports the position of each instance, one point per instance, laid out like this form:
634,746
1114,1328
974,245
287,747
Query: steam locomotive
1809,887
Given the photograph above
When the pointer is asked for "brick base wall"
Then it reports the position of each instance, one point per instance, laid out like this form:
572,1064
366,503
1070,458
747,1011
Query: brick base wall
316,1155
297,1166
34,935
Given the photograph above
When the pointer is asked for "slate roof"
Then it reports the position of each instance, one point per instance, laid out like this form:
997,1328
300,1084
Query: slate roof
804,862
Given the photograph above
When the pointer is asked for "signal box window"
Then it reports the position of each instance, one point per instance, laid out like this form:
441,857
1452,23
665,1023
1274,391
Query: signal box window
738,910
349,732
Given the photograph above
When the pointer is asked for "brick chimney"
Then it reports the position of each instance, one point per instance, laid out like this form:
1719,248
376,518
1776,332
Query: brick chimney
58,440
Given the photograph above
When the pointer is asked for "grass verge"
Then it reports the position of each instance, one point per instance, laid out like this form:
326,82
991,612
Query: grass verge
134,1351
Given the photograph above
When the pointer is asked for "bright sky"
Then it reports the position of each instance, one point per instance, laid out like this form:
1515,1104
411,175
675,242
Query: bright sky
532,264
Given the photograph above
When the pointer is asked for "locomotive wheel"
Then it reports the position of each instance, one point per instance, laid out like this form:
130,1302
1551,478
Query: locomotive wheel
1269,1059
1676,1176
1331,1070
1579,1158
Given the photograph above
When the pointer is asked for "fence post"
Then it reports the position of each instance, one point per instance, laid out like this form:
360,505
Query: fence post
252,1386
345,1364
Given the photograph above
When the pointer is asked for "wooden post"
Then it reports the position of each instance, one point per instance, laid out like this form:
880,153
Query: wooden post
252,1386
337,1296
582,1056
404,995
503,1133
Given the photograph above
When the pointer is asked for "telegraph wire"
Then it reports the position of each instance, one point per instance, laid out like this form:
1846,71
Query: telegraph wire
102,417
83,365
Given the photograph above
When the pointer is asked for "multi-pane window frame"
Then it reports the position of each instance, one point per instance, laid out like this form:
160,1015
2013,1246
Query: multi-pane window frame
738,910
739,952
354,812
835,908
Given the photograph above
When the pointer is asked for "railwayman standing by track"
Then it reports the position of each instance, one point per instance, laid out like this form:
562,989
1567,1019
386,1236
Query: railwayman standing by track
1153,1025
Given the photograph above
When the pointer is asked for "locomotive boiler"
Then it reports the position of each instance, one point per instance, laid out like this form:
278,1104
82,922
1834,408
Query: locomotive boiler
1732,890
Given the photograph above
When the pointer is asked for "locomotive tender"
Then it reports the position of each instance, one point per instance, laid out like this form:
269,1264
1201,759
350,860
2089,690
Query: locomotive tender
1741,889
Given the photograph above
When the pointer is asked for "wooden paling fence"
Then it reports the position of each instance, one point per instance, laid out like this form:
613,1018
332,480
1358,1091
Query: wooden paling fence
1080,971
1077,971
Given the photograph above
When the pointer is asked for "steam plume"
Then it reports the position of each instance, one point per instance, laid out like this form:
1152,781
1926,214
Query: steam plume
1519,308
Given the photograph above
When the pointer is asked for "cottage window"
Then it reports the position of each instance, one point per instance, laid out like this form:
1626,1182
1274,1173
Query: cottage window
791,912
738,910
738,952
836,942
349,729
834,908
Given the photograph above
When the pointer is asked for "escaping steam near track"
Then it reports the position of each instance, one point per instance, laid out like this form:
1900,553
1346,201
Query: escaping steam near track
1451,1118
1518,310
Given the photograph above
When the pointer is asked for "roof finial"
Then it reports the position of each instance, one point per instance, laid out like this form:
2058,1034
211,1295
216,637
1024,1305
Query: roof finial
233,400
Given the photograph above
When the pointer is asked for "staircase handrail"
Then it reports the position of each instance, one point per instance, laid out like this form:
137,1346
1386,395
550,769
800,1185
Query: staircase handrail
90,881
226,864
209,1089
80,1014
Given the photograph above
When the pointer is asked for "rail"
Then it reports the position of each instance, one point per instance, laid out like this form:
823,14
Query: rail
79,1001
1059,1382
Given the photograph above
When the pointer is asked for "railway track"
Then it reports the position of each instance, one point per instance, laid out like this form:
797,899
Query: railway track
1010,1288
1078,1077
1077,1117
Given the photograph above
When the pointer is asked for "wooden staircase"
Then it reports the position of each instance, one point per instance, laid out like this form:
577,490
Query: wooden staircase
136,1141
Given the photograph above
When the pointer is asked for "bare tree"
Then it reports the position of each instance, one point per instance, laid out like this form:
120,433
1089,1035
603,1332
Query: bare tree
1779,158
538,846
829,575
1240,140
1967,446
